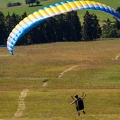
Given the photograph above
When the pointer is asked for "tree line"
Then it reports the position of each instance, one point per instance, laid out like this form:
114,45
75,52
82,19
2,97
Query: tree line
31,2
65,27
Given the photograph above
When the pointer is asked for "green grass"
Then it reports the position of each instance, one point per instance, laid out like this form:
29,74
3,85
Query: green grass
97,74
8,102
54,105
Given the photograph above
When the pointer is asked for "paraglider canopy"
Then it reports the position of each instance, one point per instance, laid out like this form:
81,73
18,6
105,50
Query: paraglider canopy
55,9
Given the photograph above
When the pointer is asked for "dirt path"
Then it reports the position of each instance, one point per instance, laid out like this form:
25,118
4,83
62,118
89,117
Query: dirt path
21,104
116,57
62,73
45,84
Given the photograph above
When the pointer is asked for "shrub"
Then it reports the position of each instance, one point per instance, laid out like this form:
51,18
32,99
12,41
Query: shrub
13,4
9,4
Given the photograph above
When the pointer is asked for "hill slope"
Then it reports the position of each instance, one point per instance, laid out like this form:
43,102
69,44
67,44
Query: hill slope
38,81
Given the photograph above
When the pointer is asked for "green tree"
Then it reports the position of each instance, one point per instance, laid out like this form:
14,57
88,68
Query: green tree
109,30
117,24
74,28
30,2
8,27
68,27
91,27
3,32
87,27
96,29
11,22
51,29
37,2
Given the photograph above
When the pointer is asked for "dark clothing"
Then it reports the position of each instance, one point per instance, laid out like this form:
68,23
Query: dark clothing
79,104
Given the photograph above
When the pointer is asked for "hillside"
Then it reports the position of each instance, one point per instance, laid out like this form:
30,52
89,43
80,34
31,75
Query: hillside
38,81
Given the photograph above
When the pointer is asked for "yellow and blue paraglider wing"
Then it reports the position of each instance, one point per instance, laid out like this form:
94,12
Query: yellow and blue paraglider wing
42,14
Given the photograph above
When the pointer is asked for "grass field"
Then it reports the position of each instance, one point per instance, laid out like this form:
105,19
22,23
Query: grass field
24,8
52,73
